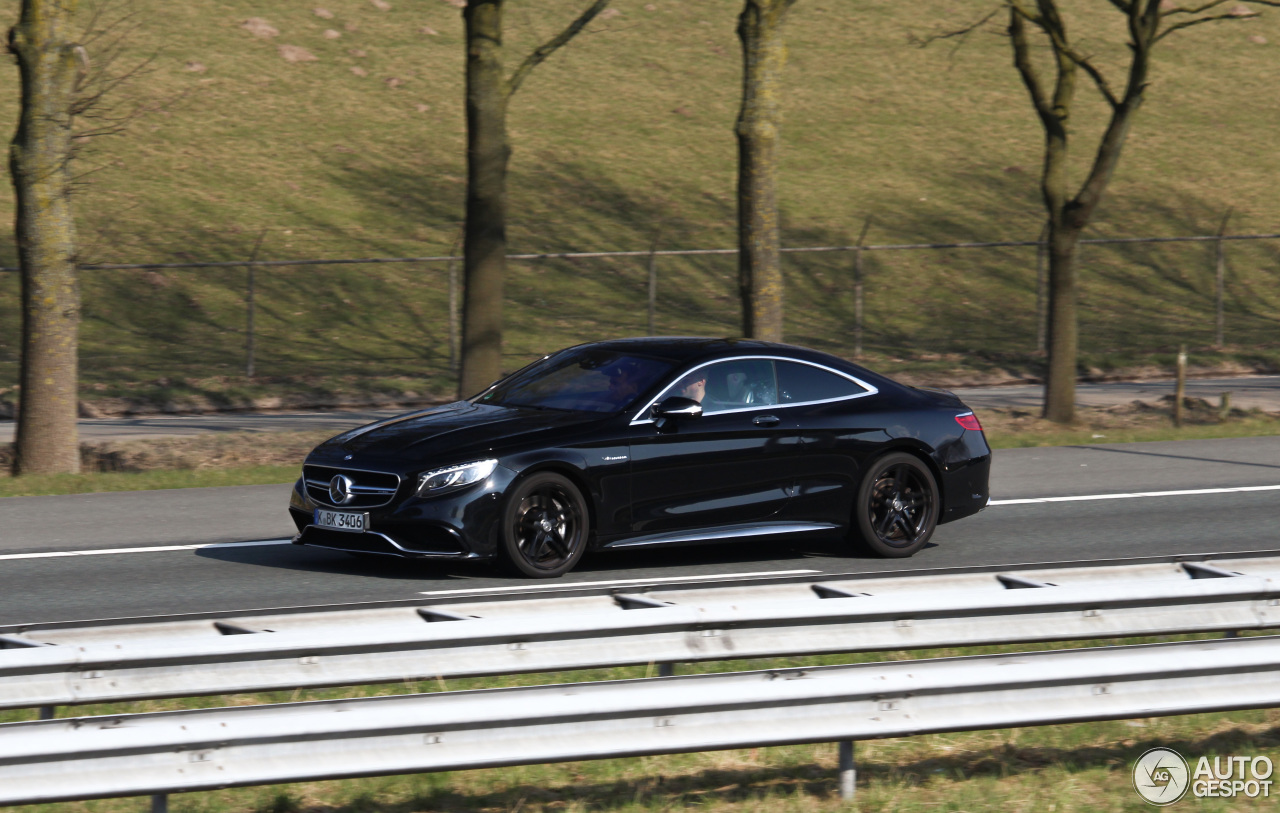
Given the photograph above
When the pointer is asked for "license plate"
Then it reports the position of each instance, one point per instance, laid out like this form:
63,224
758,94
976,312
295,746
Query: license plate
341,520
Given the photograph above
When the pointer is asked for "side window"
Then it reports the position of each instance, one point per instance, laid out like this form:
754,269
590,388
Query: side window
740,384
799,383
726,385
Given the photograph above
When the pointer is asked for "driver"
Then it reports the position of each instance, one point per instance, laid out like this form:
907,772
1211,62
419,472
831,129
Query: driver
693,386
624,382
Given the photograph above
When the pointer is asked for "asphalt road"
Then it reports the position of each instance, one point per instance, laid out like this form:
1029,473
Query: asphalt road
1251,392
53,566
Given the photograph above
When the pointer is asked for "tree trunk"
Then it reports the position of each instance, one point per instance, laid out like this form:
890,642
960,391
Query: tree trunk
1060,383
759,270
485,239
45,233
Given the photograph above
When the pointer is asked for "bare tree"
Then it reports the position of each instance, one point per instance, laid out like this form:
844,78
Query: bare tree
764,54
51,64
1035,23
489,92
68,68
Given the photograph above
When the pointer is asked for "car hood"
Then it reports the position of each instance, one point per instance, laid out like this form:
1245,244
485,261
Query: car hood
450,430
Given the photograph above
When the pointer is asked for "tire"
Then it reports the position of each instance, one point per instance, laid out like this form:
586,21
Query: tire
544,527
897,506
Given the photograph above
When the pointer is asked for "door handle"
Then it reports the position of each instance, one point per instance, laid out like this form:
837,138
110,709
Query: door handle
766,420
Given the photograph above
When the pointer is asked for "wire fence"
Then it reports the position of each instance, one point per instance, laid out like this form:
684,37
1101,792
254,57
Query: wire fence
406,319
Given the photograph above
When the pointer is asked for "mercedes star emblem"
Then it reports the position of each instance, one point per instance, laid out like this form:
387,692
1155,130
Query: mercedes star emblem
340,489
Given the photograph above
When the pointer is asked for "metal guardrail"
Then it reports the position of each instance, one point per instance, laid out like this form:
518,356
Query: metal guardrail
160,753
317,650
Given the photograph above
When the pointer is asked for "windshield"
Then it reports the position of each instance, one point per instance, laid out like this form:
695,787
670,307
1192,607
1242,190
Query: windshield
580,380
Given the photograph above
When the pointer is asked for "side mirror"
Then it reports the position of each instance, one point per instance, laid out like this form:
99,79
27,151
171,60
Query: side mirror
677,406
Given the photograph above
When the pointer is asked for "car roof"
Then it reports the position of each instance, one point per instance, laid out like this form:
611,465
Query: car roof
682,349
689,350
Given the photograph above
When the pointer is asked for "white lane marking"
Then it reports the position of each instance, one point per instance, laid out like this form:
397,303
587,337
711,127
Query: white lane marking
1185,493
1028,501
157,549
650,580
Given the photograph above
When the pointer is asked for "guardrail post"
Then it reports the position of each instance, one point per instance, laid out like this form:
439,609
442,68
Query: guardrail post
160,803
666,670
48,712
848,771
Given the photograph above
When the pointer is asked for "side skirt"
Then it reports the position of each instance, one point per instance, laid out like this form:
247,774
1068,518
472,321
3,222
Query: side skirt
723,533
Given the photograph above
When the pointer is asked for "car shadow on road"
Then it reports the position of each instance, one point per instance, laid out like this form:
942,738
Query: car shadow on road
319,560
713,559
802,552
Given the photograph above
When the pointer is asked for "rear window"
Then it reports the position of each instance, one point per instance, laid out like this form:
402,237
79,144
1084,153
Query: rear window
800,383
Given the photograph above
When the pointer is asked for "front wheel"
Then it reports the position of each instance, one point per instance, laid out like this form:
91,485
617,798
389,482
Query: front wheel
897,506
544,526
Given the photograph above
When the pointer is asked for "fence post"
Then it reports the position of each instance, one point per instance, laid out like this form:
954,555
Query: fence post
1220,283
857,289
653,285
1042,246
1180,389
248,340
848,771
455,331
249,308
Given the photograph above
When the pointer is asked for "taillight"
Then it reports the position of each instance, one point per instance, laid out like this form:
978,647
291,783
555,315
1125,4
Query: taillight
969,421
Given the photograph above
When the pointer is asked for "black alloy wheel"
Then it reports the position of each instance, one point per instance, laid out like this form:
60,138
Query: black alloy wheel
897,506
544,529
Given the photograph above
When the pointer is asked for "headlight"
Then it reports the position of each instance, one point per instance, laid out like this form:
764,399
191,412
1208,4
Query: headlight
434,482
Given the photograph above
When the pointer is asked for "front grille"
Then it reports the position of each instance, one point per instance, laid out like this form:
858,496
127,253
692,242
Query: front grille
370,489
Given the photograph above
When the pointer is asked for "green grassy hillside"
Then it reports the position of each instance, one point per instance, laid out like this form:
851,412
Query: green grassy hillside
626,136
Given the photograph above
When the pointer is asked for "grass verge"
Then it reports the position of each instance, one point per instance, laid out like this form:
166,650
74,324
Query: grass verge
1127,423
197,461
91,482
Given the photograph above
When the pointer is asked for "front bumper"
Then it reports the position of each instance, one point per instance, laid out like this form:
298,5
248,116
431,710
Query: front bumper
462,524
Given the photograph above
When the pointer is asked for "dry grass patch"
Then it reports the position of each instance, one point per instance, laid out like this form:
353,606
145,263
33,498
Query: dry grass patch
232,450
1125,423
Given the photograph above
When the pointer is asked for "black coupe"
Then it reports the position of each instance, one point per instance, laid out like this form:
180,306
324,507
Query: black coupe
657,441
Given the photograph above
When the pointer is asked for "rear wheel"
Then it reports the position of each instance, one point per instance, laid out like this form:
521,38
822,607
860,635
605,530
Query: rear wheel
544,526
897,506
